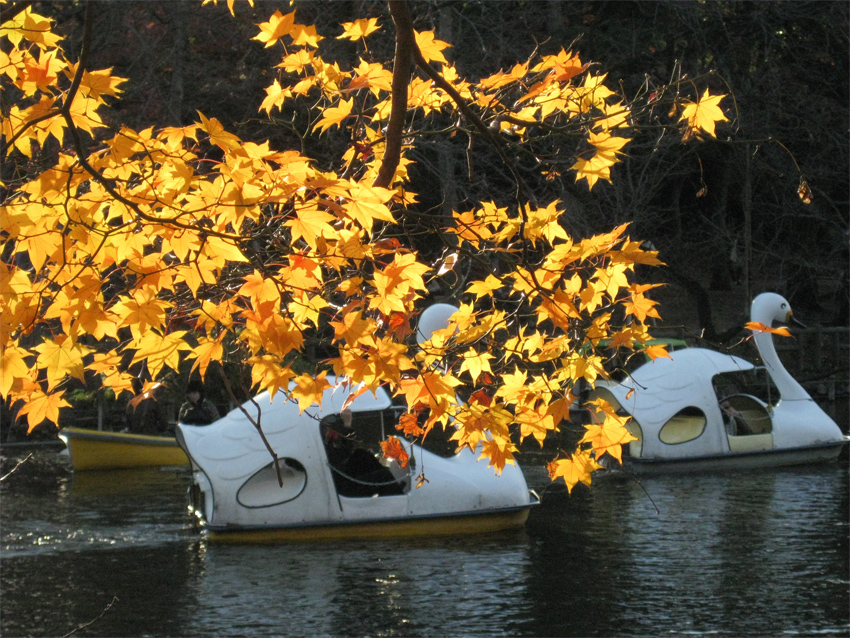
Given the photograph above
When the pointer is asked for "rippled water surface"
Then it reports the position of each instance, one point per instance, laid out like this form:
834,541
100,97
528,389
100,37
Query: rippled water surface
739,554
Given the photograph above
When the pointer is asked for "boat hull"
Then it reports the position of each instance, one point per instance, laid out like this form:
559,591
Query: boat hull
743,461
97,450
450,525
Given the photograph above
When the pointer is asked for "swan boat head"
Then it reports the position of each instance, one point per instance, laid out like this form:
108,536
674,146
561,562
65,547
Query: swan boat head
700,404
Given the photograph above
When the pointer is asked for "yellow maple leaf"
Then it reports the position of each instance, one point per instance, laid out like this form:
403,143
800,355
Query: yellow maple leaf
705,113
372,76
305,35
96,84
159,351
610,434
61,357
32,27
431,389
296,62
354,328
141,311
485,288
310,223
207,351
218,136
476,363
268,374
358,29
499,452
574,469
608,149
309,389
334,115
277,26
13,366
42,407
261,290
275,97
639,305
431,48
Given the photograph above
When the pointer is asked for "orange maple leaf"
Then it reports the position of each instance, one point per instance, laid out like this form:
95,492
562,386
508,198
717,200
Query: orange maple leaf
656,352
499,451
394,451
409,424
757,326
148,392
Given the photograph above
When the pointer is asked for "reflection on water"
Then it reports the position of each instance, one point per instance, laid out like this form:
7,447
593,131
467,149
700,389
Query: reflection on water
744,554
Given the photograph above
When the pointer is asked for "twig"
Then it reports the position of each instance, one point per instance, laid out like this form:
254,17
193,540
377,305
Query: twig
14,469
254,422
93,620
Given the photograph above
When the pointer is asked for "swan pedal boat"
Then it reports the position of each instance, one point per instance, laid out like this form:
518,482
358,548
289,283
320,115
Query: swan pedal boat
691,412
101,450
237,495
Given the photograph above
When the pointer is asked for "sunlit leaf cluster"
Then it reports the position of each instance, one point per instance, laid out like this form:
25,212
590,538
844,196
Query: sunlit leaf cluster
133,252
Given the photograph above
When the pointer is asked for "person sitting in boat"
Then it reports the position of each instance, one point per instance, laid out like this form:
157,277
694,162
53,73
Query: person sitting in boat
197,410
339,438
356,471
732,419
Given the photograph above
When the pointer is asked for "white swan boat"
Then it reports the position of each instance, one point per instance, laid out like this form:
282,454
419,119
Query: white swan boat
698,410
238,497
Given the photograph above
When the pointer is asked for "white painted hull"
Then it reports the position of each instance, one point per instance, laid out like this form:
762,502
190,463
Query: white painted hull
239,496
743,461
701,410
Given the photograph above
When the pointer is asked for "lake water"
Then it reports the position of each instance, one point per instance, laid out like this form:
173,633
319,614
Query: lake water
742,554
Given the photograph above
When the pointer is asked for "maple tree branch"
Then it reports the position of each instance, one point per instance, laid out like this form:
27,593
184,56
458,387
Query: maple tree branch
405,45
472,116
32,122
406,48
12,11
78,143
254,422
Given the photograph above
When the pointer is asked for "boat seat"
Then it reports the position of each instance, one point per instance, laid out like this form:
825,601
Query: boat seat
750,442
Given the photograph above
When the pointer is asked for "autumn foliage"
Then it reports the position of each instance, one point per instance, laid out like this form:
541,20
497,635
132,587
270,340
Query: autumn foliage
128,252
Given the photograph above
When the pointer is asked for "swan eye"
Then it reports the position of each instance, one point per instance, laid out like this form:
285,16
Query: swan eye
784,306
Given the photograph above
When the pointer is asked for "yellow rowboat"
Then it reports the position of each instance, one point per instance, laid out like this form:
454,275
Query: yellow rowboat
97,450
